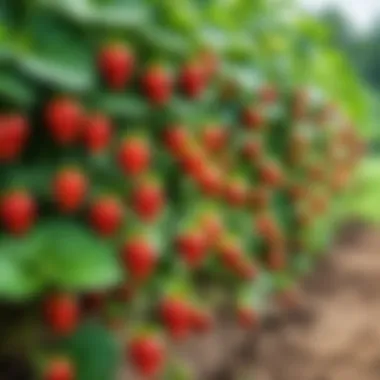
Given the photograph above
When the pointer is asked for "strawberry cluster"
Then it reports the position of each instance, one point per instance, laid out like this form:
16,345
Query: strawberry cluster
229,195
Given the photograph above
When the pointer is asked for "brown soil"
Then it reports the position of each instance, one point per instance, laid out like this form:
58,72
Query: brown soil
334,334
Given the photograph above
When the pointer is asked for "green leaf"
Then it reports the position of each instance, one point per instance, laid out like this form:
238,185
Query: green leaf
15,89
73,258
94,352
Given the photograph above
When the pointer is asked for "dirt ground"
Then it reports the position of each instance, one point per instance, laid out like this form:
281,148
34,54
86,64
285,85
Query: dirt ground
333,335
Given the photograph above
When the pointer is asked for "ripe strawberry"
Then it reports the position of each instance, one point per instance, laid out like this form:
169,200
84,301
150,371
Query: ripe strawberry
268,93
270,173
14,131
63,117
157,85
253,118
97,133
147,355
192,246
116,64
235,192
176,139
259,197
214,138
193,160
209,62
192,80
175,314
69,189
231,254
148,200
201,320
106,215
17,212
139,258
59,369
252,150
62,313
134,156
209,179
213,227
246,270
276,259
267,227
247,317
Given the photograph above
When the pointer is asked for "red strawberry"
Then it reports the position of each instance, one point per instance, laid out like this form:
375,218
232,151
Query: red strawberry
106,215
148,200
213,227
214,138
147,355
253,118
97,133
235,193
268,93
116,64
231,254
14,131
276,259
192,247
139,258
246,270
157,85
63,117
192,80
209,179
134,156
69,189
176,140
252,150
266,226
62,313
209,62
259,198
201,320
270,173
17,212
247,317
193,160
175,315
59,369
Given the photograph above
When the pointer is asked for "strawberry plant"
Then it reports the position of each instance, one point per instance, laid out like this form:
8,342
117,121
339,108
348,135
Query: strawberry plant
143,163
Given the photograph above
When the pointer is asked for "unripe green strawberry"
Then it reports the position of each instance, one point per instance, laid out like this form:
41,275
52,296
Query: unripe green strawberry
17,212
139,258
157,85
62,313
116,64
14,132
69,189
209,62
59,369
106,215
63,117
147,354
97,133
